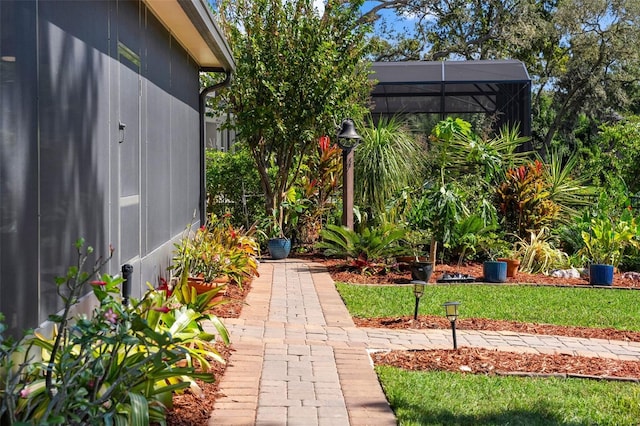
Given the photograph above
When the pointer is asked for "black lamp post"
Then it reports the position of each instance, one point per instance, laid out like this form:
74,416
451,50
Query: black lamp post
451,310
348,139
418,291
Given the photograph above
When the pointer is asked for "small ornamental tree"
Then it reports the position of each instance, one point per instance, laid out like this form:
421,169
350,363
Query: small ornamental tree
299,74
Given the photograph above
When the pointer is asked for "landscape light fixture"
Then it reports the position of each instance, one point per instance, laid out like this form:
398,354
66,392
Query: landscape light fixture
348,139
418,291
451,310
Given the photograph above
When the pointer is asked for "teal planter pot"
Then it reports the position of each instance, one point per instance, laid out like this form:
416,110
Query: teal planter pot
279,248
600,274
495,272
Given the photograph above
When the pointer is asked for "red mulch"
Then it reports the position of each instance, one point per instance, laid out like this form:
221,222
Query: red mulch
340,272
485,361
189,410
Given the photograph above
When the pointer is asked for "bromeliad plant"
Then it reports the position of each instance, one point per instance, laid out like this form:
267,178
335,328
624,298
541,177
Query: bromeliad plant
118,366
215,250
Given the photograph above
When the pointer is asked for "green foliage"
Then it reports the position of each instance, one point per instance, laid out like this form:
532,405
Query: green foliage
570,235
467,166
439,210
468,235
459,152
297,75
568,191
417,240
371,246
607,239
616,153
233,185
216,249
111,367
445,134
389,159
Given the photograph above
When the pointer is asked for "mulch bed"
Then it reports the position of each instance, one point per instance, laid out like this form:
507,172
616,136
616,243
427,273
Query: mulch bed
493,362
340,271
189,409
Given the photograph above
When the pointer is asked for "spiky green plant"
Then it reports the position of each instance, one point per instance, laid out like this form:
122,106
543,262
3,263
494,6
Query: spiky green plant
371,246
538,255
567,190
388,159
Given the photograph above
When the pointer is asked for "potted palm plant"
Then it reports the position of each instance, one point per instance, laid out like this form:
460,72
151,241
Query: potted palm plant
604,246
415,241
279,245
417,262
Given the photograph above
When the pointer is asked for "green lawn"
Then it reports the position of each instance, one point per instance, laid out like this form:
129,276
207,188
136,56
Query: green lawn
443,398
589,307
437,398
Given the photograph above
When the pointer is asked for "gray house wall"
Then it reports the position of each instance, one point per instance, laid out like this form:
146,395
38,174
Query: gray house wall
71,73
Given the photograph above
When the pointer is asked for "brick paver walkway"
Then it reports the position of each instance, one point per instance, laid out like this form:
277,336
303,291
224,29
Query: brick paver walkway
300,360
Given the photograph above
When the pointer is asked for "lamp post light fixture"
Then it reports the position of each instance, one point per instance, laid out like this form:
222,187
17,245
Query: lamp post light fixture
348,139
418,291
451,310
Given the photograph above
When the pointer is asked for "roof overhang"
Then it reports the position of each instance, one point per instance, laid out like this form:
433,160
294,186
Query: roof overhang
446,86
481,71
500,88
192,24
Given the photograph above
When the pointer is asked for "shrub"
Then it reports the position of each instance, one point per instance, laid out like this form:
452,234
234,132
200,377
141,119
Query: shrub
233,186
217,249
116,366
524,200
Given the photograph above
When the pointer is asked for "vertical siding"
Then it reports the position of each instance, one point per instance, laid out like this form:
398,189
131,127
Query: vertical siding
19,256
59,145
73,93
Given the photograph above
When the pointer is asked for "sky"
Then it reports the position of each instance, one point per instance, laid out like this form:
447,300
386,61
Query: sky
396,22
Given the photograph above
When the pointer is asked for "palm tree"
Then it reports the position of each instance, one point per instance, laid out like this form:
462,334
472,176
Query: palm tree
389,159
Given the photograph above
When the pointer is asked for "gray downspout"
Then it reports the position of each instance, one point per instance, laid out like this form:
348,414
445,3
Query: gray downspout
204,93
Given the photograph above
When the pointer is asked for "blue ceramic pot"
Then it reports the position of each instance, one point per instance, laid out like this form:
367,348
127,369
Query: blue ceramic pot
279,248
601,274
495,272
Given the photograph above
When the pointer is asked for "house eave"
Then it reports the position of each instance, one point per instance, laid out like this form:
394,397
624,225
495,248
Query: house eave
193,26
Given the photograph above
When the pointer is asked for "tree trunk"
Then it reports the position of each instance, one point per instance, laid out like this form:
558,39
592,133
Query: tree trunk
432,252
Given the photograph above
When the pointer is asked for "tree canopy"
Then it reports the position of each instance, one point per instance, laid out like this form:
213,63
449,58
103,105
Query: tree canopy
581,54
299,74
